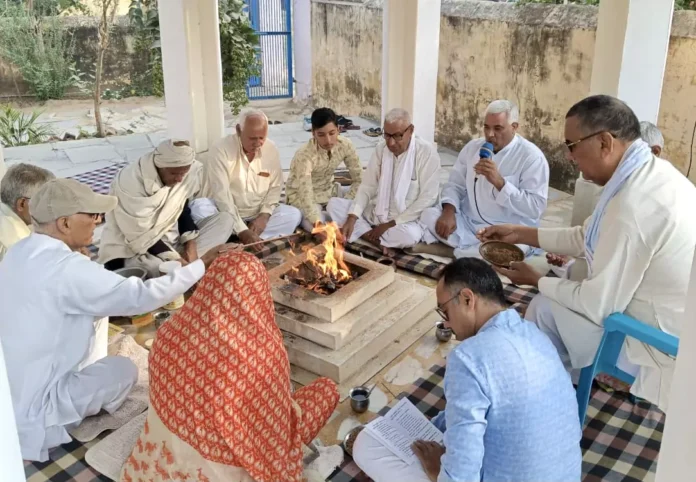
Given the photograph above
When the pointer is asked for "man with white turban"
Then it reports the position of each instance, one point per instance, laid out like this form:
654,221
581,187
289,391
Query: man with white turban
152,222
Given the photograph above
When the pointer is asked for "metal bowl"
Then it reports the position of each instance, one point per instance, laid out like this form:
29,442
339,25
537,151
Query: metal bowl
387,261
359,399
350,439
133,271
161,318
500,254
442,333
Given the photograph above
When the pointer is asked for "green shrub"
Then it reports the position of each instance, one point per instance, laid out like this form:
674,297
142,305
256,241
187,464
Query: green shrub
42,49
20,129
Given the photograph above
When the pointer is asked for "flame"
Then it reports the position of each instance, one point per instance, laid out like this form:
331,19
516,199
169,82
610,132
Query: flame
332,264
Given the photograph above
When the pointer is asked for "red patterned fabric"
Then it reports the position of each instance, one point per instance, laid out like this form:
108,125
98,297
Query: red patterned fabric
220,377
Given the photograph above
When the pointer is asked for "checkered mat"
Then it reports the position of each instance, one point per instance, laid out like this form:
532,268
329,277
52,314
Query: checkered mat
100,179
517,296
620,442
67,463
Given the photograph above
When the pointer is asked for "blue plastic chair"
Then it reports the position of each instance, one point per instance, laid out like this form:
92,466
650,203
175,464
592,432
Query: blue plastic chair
616,328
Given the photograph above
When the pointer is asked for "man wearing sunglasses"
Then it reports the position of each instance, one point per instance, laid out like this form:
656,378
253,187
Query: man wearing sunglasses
511,412
638,244
499,178
401,180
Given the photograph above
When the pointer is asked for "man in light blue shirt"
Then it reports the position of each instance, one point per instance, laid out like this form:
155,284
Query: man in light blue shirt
511,411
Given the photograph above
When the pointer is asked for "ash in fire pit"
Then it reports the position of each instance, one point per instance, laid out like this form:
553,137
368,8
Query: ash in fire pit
313,277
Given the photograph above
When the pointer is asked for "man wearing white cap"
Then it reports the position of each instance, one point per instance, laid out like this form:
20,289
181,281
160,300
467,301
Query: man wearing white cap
152,222
50,297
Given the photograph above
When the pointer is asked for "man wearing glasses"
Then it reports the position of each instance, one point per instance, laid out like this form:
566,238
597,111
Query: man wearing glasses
509,186
638,244
511,412
50,297
401,181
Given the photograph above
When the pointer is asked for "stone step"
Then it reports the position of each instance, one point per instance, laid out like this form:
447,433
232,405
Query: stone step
372,367
339,365
335,335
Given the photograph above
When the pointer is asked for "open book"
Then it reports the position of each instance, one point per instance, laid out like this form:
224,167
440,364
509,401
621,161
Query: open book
400,427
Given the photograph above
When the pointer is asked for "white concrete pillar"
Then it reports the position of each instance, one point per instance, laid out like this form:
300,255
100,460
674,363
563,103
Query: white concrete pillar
677,461
191,63
302,48
629,63
410,49
10,453
631,53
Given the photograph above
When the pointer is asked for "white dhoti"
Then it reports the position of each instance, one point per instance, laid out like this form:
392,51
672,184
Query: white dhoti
400,236
99,383
283,222
380,463
463,239
213,231
575,337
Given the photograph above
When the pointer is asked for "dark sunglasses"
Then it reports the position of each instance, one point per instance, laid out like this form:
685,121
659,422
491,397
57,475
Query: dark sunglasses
398,136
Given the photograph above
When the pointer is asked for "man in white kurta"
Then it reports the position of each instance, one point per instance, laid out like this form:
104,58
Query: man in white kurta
50,297
152,222
511,187
246,180
639,244
16,189
401,180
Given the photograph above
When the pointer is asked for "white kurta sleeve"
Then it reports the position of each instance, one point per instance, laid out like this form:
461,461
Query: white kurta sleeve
368,187
566,241
455,190
621,258
88,288
428,173
272,198
528,198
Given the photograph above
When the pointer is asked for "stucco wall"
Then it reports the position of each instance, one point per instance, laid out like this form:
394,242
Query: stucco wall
539,56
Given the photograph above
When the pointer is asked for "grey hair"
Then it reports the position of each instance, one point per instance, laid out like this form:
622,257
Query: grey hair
651,134
501,105
22,181
604,113
398,115
248,113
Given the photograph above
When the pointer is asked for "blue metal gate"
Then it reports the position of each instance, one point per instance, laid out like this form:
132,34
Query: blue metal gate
272,21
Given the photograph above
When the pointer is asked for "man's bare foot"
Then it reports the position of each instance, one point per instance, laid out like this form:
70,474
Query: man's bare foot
388,252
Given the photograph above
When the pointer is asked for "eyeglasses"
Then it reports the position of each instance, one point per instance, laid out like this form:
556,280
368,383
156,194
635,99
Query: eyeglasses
94,216
571,145
439,310
398,136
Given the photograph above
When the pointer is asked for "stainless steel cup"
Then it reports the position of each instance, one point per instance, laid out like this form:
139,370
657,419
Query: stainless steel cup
442,333
359,399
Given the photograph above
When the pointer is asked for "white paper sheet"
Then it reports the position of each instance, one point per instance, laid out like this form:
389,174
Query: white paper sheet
403,425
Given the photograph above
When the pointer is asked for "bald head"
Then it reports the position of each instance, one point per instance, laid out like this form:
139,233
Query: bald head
252,129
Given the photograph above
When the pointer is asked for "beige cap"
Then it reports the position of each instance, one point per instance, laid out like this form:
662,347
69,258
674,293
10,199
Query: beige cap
60,198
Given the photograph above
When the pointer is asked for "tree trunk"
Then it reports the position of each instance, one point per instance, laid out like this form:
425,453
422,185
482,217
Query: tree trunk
97,91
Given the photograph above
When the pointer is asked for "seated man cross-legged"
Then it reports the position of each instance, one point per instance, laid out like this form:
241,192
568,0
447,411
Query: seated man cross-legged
312,180
511,412
401,180
638,244
510,187
50,298
246,180
152,222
